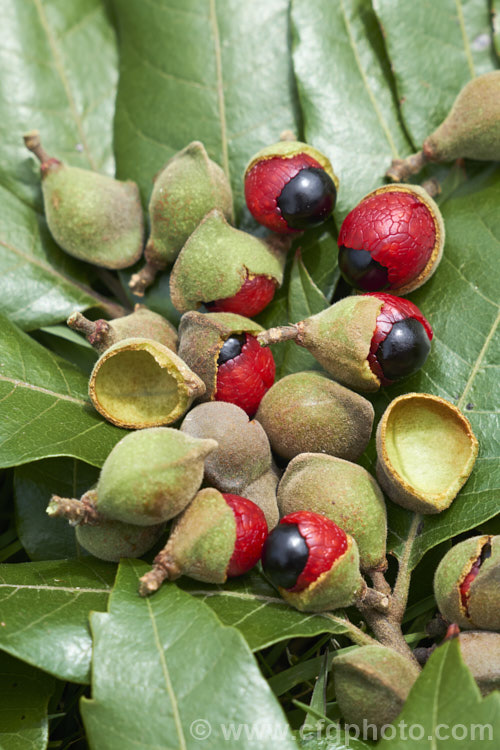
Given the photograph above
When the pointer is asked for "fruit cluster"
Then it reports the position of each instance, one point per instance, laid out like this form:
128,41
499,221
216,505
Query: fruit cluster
319,527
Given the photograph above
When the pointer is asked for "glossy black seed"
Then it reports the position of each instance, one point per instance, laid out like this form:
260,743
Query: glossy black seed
285,555
231,348
362,271
405,349
308,199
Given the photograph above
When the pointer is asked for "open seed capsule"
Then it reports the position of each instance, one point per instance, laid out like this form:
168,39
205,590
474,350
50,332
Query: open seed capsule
140,383
222,349
467,583
216,263
392,240
313,562
426,450
290,186
363,341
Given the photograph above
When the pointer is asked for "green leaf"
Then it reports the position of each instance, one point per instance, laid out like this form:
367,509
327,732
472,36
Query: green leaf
39,284
44,399
215,72
59,73
335,740
44,613
460,302
435,49
346,93
144,692
24,696
42,537
304,299
444,707
252,605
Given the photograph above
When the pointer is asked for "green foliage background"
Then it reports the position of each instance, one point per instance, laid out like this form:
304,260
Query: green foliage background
120,86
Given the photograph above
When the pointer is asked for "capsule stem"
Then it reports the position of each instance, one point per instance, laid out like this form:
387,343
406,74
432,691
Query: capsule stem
141,280
96,332
164,568
77,512
401,169
33,143
277,335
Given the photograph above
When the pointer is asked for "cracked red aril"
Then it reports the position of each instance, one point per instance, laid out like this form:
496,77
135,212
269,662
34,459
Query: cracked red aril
264,184
254,295
401,342
392,240
246,374
302,547
290,186
251,533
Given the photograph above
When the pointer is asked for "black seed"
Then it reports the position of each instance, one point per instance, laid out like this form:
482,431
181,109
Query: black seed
308,199
285,555
405,349
362,271
231,348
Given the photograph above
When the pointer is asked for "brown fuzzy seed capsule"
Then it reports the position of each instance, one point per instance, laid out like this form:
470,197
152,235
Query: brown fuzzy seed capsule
140,383
241,464
91,216
112,540
187,188
481,652
372,684
216,261
142,323
262,492
343,492
426,451
149,477
243,452
466,583
307,412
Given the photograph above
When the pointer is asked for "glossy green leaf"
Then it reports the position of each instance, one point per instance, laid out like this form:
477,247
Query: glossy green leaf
42,537
445,709
435,49
345,90
166,673
44,408
24,696
59,73
304,299
201,70
252,605
44,610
